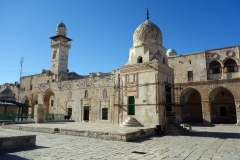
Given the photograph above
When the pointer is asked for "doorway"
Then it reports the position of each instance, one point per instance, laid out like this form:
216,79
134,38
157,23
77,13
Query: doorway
86,113
131,105
69,111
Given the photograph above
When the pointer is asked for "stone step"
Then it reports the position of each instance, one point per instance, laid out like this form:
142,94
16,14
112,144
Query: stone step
130,122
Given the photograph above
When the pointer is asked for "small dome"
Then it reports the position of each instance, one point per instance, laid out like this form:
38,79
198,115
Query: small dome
7,94
171,52
147,33
61,25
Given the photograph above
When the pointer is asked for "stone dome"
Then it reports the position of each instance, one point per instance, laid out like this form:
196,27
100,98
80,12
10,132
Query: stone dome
171,52
147,33
61,25
7,94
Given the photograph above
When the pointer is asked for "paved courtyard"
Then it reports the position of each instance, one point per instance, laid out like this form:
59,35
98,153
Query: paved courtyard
219,142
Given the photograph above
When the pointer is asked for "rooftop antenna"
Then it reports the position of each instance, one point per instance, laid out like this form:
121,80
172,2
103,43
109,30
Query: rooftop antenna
21,64
147,14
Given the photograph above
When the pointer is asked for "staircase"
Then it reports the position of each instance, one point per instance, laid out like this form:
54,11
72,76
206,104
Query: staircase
131,122
173,129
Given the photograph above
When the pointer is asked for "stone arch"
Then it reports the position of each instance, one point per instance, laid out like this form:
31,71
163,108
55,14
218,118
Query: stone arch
139,59
222,106
192,106
227,58
218,89
48,100
208,64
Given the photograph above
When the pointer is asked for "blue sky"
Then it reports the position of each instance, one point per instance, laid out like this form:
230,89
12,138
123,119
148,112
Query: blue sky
102,30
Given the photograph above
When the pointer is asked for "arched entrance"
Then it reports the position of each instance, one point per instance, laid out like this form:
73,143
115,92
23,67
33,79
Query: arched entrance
223,109
49,101
192,106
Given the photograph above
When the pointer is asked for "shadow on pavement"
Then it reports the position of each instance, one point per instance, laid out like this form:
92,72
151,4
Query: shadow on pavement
222,135
20,149
5,156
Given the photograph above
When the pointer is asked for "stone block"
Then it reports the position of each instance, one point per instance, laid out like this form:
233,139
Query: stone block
7,143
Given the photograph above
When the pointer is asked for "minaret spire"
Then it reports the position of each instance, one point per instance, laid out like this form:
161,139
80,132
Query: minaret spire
147,14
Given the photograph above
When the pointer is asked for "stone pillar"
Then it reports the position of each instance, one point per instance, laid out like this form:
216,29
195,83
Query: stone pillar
206,111
39,113
238,112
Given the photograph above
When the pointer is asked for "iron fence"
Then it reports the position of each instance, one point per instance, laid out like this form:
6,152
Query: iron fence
15,117
54,117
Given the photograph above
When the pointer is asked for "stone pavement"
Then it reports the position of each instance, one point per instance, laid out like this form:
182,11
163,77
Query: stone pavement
219,142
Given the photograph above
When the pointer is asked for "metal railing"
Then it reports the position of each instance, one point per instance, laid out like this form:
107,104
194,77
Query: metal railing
15,117
54,117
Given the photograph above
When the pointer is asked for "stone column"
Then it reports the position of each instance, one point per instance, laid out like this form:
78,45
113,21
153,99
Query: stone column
206,111
238,112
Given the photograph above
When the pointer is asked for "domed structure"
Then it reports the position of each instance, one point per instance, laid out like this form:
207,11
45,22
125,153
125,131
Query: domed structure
147,33
61,25
61,29
7,94
171,52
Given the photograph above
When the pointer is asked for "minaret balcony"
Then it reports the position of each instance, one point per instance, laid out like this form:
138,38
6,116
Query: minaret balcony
56,43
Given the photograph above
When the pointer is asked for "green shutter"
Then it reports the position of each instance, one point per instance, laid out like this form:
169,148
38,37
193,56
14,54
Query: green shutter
131,105
104,113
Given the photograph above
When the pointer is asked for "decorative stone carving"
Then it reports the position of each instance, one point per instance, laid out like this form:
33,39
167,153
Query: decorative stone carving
43,87
135,69
214,55
230,53
67,85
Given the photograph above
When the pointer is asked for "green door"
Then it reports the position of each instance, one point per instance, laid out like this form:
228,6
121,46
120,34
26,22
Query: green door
86,113
131,105
69,111
104,113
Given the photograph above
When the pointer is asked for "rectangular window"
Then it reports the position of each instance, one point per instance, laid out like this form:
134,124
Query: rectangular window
53,80
168,92
47,81
30,87
223,111
190,75
51,102
104,113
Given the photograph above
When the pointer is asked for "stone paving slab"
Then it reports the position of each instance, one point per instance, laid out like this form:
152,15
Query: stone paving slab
92,130
203,143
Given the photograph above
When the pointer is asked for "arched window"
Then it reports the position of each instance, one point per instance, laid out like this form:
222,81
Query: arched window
54,56
230,66
214,67
86,94
105,93
139,60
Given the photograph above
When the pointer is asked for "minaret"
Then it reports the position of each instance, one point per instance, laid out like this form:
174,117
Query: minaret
60,45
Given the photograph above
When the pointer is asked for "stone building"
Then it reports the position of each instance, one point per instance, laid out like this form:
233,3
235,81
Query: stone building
152,86
208,83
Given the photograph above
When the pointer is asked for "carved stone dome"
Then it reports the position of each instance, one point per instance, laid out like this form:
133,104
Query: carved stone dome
7,94
147,33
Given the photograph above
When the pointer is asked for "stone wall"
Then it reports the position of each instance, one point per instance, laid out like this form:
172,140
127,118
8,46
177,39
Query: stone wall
15,142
